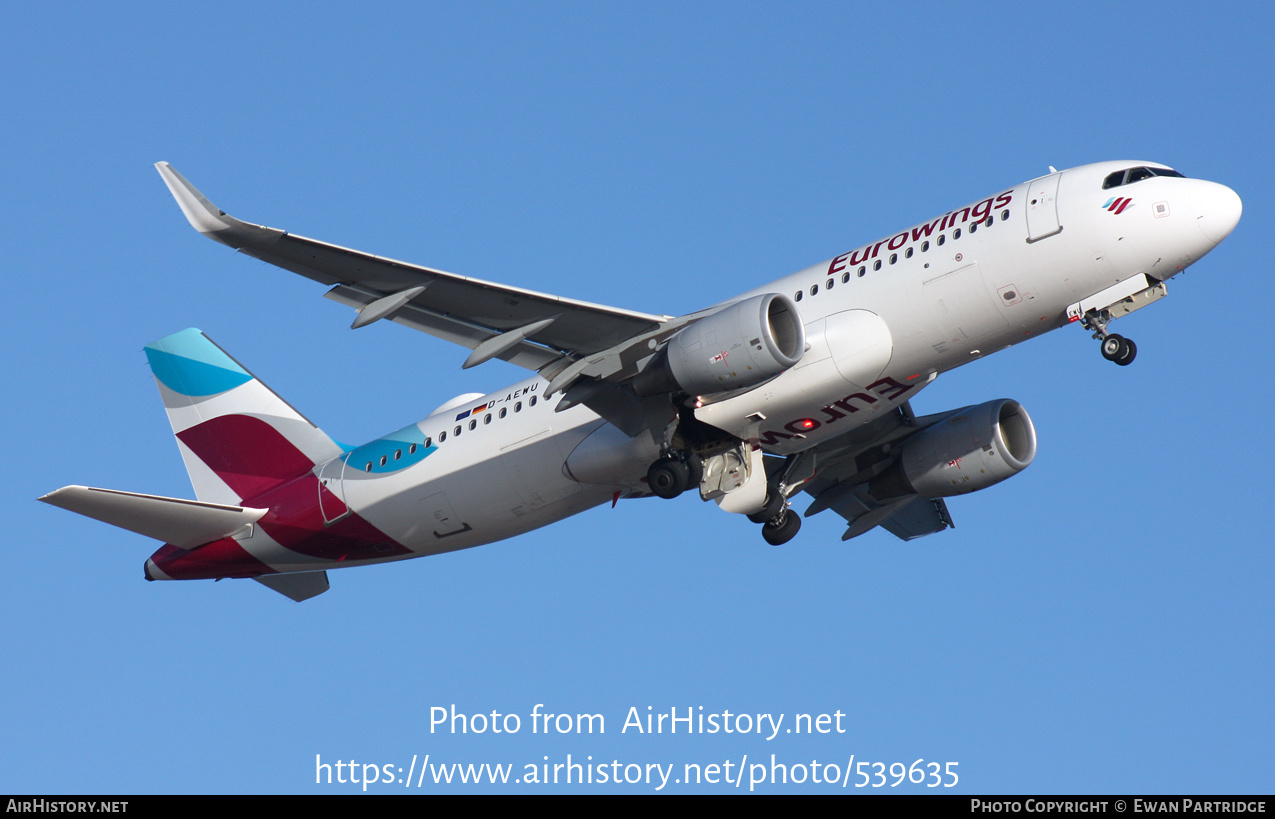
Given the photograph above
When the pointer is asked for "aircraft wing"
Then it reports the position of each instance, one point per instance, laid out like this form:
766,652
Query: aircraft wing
848,463
520,326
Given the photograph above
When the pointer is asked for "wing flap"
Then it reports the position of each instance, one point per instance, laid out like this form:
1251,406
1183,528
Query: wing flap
299,586
185,524
846,465
526,354
921,517
579,325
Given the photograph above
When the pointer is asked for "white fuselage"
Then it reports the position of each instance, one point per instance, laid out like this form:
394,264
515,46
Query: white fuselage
881,322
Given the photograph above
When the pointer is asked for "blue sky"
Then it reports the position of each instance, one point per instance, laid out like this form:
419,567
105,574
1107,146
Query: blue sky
1103,622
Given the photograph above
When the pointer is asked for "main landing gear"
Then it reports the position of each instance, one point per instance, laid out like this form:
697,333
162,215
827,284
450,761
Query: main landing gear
1114,347
673,474
680,470
779,523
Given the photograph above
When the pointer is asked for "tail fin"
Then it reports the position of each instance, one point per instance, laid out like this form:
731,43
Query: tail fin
237,438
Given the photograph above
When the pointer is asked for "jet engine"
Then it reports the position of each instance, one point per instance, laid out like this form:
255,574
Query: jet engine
971,449
738,347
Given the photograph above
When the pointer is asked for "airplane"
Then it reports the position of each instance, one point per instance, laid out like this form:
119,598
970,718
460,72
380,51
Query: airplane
804,384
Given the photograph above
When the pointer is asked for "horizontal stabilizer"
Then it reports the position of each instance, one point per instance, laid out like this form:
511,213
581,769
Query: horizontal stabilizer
299,586
183,523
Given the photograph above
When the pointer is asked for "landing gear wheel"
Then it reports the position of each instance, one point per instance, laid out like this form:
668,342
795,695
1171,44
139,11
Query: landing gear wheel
694,470
1119,349
774,506
1131,350
782,529
1112,347
668,477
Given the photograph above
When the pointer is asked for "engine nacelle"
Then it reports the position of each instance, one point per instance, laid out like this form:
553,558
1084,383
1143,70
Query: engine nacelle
970,450
738,347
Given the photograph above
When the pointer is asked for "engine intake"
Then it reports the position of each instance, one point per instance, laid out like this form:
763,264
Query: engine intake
738,347
969,450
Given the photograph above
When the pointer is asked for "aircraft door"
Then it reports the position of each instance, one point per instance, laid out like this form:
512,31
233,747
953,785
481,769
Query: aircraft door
1042,208
332,490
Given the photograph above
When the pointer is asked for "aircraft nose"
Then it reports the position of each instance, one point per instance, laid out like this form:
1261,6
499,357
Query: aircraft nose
1217,210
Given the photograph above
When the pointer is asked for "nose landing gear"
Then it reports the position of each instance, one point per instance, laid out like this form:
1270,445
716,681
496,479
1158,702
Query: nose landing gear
1119,349
1115,348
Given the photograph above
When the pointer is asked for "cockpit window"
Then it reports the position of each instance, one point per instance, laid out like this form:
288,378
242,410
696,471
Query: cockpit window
1131,175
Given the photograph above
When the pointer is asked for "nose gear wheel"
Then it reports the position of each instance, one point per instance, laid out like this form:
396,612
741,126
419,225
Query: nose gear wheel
1114,347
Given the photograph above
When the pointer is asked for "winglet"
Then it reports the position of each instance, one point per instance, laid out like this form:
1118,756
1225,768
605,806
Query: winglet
207,218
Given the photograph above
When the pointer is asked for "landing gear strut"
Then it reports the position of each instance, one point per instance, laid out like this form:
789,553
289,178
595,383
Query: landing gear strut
780,522
1114,347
